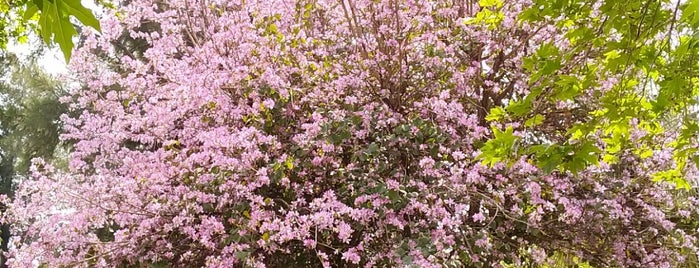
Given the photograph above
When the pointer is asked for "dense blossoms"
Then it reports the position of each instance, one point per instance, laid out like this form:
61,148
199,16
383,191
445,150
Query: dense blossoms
338,133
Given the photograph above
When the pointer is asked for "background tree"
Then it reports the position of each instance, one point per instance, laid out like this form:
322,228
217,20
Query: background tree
29,124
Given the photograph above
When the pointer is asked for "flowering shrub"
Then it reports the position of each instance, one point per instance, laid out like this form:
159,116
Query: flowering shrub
373,133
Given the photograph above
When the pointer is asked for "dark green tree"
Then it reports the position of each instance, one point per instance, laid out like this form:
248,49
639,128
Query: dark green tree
29,123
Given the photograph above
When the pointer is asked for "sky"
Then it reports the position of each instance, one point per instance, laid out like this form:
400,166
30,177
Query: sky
52,61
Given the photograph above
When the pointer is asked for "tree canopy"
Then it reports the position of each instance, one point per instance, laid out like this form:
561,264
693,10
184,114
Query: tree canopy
29,124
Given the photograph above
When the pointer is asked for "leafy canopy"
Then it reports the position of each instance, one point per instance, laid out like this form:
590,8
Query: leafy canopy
51,18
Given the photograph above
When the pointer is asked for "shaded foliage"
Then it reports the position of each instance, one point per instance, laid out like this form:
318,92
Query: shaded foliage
29,123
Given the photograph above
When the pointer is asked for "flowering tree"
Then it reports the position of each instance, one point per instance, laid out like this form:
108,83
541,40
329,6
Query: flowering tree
375,133
29,123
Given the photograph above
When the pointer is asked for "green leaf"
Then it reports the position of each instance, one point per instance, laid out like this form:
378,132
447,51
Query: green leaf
695,159
496,113
84,15
31,10
689,13
372,149
60,28
548,165
579,131
569,87
551,66
490,3
613,54
289,163
547,50
534,121
548,157
45,23
644,153
487,16
394,196
519,108
54,22
499,148
673,176
242,255
64,33
39,3
22,39
584,155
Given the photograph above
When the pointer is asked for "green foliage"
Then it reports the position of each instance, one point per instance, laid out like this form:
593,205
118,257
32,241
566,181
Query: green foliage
50,17
674,177
10,27
690,12
496,114
490,3
534,121
55,21
489,16
647,52
29,118
571,157
499,148
545,61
